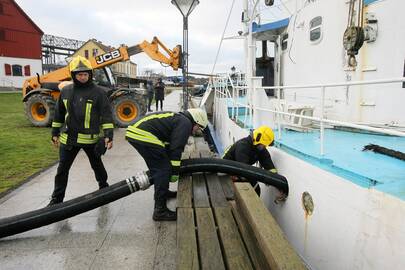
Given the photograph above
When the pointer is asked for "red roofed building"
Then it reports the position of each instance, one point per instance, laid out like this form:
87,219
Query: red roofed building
20,45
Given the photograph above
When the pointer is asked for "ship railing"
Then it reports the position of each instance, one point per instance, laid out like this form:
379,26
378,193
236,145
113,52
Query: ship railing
226,86
322,119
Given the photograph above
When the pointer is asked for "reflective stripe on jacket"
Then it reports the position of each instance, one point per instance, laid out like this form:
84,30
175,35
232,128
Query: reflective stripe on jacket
163,129
80,112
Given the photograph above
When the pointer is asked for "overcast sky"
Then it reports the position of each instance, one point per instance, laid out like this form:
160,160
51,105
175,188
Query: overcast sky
132,21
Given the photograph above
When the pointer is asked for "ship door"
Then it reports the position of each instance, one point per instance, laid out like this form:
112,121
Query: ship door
265,68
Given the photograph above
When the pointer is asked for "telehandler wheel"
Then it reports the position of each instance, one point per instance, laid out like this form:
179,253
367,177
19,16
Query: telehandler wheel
40,110
125,110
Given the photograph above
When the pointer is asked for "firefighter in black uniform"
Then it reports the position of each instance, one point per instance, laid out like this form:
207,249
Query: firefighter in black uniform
251,149
82,108
160,139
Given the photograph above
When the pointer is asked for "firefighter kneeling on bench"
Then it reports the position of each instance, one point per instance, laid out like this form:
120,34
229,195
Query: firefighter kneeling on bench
160,139
252,149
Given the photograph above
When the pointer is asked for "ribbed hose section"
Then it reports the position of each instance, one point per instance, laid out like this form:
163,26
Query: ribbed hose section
45,216
234,168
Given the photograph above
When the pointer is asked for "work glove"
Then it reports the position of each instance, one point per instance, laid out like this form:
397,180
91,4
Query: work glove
274,170
174,178
100,148
175,170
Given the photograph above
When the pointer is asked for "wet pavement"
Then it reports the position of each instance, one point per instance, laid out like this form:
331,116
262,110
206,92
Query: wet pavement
120,235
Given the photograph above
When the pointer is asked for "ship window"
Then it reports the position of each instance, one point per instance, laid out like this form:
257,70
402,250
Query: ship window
284,42
17,70
315,29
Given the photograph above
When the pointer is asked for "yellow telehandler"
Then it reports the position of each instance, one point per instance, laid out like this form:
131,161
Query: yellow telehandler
41,92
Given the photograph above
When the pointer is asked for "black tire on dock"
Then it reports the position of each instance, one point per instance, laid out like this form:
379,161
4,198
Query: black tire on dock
40,110
126,109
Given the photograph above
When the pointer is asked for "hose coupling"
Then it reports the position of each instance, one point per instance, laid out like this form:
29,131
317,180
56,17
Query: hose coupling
139,181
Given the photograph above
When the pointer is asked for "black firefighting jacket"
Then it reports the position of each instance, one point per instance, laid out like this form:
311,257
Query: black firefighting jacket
245,152
80,113
163,129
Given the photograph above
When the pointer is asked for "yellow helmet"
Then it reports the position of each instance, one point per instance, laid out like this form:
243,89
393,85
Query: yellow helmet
263,135
79,63
199,116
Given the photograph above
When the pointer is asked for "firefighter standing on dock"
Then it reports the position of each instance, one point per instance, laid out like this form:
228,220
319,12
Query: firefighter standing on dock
252,149
160,139
82,108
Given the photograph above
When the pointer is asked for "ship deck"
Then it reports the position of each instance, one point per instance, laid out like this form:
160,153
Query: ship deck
343,153
345,157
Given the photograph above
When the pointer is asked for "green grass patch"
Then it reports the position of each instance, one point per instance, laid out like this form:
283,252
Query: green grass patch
24,149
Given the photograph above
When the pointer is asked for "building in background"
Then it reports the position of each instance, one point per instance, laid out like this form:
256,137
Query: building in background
20,45
94,47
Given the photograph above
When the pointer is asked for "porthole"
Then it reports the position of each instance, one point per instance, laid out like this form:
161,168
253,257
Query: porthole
315,30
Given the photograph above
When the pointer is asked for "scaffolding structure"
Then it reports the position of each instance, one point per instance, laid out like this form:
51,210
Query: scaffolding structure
55,50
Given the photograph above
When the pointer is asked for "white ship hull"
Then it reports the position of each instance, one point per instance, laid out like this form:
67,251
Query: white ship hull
353,224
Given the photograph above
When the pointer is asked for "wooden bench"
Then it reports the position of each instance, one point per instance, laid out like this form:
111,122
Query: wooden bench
222,225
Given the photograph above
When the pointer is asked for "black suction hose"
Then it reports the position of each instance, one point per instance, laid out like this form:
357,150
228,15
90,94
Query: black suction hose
48,215
234,168
45,216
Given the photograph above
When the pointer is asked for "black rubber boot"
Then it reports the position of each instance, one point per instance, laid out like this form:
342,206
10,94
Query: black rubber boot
103,185
162,213
171,194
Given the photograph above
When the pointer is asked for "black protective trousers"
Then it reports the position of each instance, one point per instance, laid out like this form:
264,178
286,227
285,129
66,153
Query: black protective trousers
150,98
159,166
161,104
67,155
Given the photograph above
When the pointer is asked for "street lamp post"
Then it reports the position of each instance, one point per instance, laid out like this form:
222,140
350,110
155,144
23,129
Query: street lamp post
185,7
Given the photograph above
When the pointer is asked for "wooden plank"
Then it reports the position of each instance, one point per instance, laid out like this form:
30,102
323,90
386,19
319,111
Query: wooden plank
236,256
227,186
195,154
216,192
187,254
208,243
201,144
200,193
271,240
206,153
256,255
184,192
188,148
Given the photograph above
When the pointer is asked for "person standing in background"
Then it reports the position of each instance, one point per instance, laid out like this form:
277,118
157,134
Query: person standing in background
159,93
150,92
